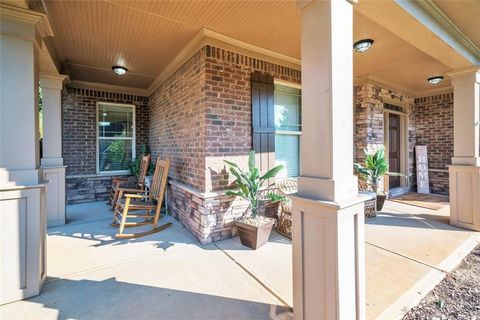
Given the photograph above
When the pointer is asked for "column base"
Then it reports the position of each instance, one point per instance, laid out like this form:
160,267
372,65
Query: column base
25,177
328,259
465,196
55,195
23,238
466,161
51,162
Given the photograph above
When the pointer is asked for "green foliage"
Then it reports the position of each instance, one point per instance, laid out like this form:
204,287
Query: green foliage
249,183
134,165
375,167
275,197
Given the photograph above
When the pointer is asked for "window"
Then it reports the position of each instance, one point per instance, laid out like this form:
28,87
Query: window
287,130
116,137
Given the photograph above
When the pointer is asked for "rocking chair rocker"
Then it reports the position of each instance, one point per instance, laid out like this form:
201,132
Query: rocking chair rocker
134,200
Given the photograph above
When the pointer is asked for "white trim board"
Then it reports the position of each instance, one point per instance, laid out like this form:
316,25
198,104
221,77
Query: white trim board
208,37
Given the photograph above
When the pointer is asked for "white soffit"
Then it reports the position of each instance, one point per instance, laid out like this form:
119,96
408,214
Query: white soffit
432,17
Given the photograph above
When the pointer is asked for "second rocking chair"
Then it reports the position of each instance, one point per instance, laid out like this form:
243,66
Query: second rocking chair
132,200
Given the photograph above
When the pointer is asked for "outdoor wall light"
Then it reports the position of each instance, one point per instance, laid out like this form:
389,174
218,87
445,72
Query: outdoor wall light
118,70
435,80
363,45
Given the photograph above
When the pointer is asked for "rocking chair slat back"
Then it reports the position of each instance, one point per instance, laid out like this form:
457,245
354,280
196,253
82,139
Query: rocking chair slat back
143,168
159,180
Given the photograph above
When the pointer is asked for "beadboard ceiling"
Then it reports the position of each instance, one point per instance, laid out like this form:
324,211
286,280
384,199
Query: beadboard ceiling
145,36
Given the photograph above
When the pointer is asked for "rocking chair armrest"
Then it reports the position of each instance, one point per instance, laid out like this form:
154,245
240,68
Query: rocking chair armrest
131,190
119,179
136,196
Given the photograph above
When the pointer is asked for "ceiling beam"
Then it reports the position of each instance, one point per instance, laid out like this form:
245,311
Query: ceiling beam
410,22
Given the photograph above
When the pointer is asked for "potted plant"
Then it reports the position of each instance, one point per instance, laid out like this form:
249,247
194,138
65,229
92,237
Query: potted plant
253,229
375,167
134,165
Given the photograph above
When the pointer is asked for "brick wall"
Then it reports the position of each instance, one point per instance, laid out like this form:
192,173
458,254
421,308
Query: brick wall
434,122
177,122
369,121
200,116
229,109
79,139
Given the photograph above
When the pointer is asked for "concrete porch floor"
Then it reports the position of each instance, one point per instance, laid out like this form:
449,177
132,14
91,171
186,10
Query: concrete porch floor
169,275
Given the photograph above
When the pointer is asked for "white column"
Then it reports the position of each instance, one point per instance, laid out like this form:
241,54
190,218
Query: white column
465,169
53,169
328,221
52,86
22,195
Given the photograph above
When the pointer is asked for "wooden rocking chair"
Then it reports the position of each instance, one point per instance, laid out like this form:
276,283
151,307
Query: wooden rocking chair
118,182
134,200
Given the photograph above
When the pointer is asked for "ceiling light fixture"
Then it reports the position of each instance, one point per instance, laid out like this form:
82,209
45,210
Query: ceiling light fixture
118,70
363,45
435,80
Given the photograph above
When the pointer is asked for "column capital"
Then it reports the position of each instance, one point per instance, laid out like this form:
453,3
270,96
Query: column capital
473,73
52,81
303,3
13,17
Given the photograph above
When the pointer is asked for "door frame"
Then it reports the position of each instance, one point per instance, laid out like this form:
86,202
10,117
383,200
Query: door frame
404,141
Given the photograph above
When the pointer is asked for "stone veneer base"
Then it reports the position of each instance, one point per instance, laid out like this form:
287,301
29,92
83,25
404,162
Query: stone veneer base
89,188
209,216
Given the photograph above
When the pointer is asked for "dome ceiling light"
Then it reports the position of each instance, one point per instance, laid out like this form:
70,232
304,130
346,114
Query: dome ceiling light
119,70
363,45
435,80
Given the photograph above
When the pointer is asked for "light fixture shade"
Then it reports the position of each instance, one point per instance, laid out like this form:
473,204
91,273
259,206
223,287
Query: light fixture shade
435,80
119,70
363,45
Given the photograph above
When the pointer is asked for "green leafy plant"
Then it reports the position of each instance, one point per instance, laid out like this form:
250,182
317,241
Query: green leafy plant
375,167
249,183
134,165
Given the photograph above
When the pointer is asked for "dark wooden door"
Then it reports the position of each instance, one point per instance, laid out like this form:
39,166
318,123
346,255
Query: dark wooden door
394,148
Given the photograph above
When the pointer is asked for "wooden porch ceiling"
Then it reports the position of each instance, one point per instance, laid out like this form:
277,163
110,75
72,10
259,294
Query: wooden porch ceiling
145,36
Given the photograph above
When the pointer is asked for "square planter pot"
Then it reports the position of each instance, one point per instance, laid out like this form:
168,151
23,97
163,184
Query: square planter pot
381,197
252,236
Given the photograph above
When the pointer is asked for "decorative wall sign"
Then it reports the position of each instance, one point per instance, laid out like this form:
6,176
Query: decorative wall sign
423,185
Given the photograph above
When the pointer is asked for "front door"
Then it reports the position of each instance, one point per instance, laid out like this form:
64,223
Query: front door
394,148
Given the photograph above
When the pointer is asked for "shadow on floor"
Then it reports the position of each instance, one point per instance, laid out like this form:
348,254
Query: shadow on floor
422,220
113,299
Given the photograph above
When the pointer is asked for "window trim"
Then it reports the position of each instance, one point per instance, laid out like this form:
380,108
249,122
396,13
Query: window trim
291,132
97,138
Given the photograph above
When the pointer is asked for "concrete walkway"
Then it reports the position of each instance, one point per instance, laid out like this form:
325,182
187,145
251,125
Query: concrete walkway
169,275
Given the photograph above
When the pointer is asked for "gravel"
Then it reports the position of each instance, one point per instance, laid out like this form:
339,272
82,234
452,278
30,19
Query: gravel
456,297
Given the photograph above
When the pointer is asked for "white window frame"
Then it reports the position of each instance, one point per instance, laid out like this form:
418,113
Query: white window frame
289,132
98,138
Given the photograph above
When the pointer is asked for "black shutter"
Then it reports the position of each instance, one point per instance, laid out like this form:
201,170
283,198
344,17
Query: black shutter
263,133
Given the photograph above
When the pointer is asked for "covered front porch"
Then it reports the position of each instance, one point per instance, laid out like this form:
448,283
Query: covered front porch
203,87
409,248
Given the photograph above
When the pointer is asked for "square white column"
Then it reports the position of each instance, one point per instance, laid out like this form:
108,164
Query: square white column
22,196
53,169
465,169
328,216
52,86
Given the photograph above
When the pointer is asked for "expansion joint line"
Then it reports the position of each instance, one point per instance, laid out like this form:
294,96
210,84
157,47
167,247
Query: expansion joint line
254,277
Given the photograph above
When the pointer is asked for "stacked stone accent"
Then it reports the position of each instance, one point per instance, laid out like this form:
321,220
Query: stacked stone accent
368,108
200,116
79,139
89,188
434,122
209,216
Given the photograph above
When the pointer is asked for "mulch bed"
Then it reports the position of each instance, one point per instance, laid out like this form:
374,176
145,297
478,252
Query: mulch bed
456,297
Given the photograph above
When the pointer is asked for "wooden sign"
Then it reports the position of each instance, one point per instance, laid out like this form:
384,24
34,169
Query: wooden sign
423,185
